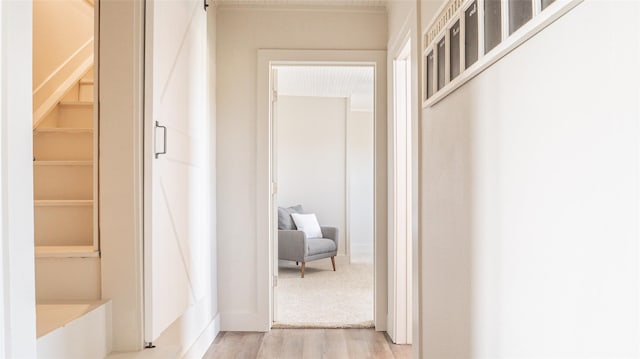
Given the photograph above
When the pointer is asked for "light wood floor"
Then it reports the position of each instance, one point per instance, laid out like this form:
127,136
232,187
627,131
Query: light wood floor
306,343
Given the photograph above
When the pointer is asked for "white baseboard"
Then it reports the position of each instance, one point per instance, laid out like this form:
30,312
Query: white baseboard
243,322
204,341
361,253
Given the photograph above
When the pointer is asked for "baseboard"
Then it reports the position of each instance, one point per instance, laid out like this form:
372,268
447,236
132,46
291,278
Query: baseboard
243,322
204,341
361,253
364,325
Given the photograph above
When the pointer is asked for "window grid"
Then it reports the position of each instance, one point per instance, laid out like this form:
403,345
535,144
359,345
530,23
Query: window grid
453,13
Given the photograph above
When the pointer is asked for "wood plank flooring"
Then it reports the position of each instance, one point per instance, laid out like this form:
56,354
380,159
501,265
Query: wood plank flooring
307,343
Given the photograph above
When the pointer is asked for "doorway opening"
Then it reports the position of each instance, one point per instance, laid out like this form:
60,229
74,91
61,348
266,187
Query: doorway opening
323,159
65,145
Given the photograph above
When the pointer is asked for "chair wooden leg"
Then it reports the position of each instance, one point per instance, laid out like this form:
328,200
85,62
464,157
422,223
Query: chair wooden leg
333,262
302,271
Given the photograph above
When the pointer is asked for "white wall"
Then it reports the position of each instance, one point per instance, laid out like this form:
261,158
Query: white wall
311,158
530,198
17,277
212,60
325,163
241,32
120,113
360,162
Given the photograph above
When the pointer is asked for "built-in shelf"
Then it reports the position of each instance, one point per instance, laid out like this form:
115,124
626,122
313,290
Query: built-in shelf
62,130
63,163
62,203
66,252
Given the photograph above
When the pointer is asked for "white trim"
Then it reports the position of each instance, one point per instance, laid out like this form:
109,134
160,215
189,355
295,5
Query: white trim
527,31
300,7
398,196
96,123
273,88
416,152
16,178
347,180
537,7
504,23
4,269
481,42
148,142
245,320
460,47
638,195
264,266
436,63
121,173
204,341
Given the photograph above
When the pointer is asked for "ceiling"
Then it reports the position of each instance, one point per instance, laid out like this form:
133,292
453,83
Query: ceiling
354,82
330,3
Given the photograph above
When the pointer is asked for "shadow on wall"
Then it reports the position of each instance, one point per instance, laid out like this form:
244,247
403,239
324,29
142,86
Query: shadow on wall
447,224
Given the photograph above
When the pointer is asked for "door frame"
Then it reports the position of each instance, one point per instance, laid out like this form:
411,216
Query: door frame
17,273
401,194
121,149
410,33
265,218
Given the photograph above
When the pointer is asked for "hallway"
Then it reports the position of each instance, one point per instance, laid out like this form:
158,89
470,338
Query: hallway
307,343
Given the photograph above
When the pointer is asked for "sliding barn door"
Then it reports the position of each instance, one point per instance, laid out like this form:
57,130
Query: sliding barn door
177,233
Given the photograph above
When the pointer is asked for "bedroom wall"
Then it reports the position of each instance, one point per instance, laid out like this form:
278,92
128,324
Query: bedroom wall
311,156
241,32
360,169
530,198
325,163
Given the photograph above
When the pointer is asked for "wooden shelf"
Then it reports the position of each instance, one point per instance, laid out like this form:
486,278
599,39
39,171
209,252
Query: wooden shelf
66,252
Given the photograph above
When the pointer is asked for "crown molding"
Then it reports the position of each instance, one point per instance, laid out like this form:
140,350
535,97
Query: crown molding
299,7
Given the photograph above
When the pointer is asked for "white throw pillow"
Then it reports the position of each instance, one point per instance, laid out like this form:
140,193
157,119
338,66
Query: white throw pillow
308,223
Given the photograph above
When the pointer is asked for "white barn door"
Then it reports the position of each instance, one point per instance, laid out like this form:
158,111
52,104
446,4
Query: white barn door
177,233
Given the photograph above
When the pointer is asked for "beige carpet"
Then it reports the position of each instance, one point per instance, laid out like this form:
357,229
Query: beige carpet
324,298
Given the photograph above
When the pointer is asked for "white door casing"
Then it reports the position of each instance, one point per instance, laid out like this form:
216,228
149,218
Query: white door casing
17,277
274,188
176,239
264,315
400,200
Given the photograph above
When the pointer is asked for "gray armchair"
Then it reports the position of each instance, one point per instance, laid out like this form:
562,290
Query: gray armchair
293,245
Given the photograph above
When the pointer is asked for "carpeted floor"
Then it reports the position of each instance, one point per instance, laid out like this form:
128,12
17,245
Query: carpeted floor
324,298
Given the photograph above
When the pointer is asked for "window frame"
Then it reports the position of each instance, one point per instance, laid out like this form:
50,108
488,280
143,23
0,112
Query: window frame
540,19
